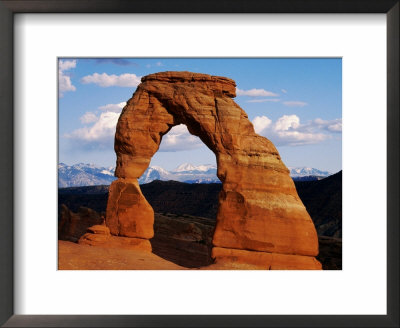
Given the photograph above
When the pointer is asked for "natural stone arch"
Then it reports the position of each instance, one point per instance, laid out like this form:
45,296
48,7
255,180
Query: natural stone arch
259,208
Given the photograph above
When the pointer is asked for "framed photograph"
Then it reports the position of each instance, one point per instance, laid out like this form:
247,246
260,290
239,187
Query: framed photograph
178,202
294,73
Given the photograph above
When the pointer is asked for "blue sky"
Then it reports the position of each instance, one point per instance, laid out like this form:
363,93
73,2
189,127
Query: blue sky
296,103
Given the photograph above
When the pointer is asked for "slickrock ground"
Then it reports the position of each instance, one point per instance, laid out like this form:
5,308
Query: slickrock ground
72,256
259,208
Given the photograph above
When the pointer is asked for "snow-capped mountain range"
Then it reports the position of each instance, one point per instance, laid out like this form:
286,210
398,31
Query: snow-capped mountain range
90,175
84,175
296,172
183,173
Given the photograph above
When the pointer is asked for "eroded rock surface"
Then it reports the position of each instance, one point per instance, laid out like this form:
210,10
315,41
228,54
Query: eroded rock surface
99,235
263,260
259,208
72,225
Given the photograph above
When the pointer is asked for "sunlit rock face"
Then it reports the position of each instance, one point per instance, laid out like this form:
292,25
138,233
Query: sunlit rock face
259,209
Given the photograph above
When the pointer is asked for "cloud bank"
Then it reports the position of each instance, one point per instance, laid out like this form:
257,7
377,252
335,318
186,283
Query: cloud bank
104,80
255,93
288,130
116,108
100,132
88,117
64,80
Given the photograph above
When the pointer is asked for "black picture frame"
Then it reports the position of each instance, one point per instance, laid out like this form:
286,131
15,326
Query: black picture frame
10,7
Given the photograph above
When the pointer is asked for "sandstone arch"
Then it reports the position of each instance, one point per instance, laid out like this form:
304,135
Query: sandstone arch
260,218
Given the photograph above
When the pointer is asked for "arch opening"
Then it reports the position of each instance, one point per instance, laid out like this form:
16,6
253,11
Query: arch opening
182,187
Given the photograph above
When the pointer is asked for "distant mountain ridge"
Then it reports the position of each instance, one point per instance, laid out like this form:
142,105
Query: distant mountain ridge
84,175
206,173
298,172
91,175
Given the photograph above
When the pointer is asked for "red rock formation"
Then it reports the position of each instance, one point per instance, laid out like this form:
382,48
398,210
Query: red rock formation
262,260
259,209
128,212
99,235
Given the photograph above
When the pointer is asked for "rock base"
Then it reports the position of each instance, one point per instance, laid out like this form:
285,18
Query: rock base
99,235
72,256
226,258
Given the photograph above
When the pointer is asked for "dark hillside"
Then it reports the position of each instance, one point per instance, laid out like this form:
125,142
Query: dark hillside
183,198
94,197
323,200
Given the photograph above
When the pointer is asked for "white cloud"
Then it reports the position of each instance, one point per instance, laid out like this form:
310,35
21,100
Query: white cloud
65,65
337,127
104,80
261,123
116,108
64,81
179,138
88,117
102,130
99,131
64,84
255,93
287,122
288,130
295,103
332,126
263,100
297,138
284,90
